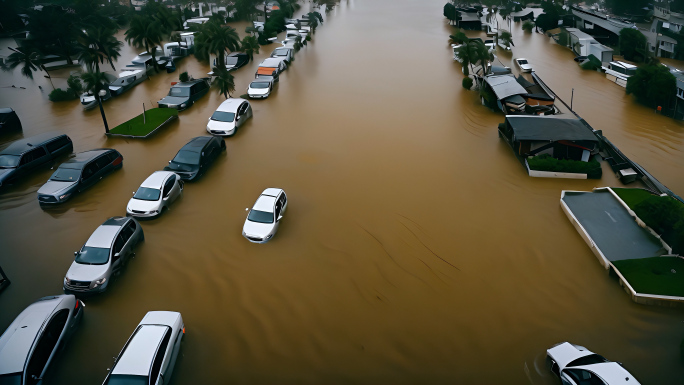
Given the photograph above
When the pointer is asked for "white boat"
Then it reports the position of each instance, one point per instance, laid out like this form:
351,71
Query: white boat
618,72
126,80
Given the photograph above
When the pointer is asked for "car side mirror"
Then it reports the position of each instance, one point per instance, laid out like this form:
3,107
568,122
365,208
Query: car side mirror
133,192
117,255
280,217
247,209
169,162
75,253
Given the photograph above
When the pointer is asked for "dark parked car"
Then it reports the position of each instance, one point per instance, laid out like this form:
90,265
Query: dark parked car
9,121
236,60
78,173
194,158
35,337
185,94
25,155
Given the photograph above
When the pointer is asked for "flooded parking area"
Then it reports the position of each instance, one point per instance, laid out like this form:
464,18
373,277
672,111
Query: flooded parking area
415,248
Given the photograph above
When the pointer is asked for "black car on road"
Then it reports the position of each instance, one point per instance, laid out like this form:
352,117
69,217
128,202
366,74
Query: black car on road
78,173
184,94
196,156
25,155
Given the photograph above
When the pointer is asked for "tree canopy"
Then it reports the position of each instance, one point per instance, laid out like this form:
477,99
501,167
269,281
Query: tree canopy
653,85
633,44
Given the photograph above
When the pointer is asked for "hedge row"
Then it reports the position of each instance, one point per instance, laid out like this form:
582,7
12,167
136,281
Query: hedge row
546,162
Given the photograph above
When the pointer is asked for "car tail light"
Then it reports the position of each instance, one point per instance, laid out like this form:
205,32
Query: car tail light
183,329
76,307
117,161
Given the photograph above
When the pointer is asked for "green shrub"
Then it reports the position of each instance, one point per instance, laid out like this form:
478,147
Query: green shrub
60,95
592,64
74,84
664,215
528,26
467,83
183,77
546,162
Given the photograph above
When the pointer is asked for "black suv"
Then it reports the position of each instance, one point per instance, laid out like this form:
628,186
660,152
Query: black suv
194,158
185,94
25,155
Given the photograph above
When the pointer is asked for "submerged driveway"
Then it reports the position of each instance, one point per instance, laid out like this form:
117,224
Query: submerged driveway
610,226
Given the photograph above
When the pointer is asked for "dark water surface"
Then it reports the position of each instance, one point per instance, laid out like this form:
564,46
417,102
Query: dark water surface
414,250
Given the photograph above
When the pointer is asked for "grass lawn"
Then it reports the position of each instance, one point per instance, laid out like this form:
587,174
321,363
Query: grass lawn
632,196
654,275
135,127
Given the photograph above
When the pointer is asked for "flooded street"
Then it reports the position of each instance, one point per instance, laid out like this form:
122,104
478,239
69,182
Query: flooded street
415,249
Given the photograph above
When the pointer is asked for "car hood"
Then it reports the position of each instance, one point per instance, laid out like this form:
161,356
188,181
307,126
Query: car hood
173,100
5,173
258,229
53,187
173,166
216,125
566,352
141,205
611,372
258,91
80,272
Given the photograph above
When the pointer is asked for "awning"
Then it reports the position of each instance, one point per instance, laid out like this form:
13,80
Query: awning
266,71
549,128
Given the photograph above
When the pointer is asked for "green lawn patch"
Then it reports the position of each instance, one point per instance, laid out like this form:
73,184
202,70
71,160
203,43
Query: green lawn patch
654,275
154,118
632,196
546,162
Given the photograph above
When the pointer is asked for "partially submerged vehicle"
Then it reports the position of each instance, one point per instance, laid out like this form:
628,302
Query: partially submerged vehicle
286,53
25,155
193,159
183,95
229,116
80,172
576,365
618,72
264,217
108,249
34,339
155,195
278,63
523,64
234,61
127,80
260,88
9,121
267,73
195,21
150,354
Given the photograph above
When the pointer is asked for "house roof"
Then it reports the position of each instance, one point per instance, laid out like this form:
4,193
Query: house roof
551,128
504,86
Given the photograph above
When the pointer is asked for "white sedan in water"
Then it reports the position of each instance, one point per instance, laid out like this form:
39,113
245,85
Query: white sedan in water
230,115
155,195
575,365
523,64
264,218
260,88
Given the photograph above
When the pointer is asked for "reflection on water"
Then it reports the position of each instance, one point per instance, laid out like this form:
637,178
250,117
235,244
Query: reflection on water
414,249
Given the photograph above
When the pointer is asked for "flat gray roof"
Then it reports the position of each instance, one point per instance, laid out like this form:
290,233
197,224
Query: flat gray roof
550,127
610,226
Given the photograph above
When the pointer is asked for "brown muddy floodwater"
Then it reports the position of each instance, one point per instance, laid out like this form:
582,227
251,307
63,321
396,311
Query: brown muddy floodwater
415,248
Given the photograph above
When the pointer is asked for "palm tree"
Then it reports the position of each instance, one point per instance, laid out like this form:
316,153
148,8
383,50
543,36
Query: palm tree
298,43
459,37
213,38
506,38
315,18
94,82
224,81
250,45
464,56
289,7
29,59
107,45
147,34
89,56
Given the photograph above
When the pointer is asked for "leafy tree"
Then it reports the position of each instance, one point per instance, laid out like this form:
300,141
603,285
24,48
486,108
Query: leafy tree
147,34
94,82
459,37
315,18
26,57
246,9
213,38
250,46
528,26
625,7
224,81
474,52
328,4
75,85
632,44
107,45
53,30
450,12
506,38
183,77
653,85
298,43
289,7
467,83
89,56
546,22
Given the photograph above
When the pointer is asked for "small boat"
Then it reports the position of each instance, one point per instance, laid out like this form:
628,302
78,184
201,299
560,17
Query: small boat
126,80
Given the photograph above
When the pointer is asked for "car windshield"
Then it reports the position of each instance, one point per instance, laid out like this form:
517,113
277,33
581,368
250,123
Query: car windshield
118,379
267,77
9,161
223,116
522,61
92,256
179,91
187,157
10,379
281,52
587,360
260,216
231,60
147,194
66,175
258,85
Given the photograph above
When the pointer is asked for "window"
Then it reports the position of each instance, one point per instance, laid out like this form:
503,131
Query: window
128,231
92,256
9,161
32,155
118,244
587,360
159,358
147,194
169,185
66,175
283,199
222,116
260,216
45,346
102,162
58,143
187,157
584,377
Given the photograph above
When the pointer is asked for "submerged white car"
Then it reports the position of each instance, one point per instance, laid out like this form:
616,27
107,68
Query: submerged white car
155,194
260,88
230,115
264,218
523,64
575,365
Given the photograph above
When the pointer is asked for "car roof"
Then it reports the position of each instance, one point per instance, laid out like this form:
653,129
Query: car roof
189,83
566,352
271,62
237,54
103,236
6,110
197,144
265,203
137,358
230,105
79,160
272,192
17,340
22,145
156,179
611,372
160,318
